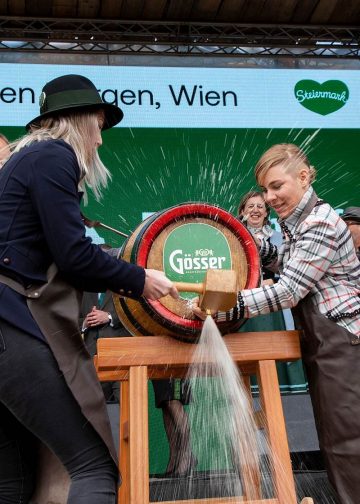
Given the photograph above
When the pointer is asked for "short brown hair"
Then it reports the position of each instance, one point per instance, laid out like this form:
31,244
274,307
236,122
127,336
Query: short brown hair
289,154
253,194
247,196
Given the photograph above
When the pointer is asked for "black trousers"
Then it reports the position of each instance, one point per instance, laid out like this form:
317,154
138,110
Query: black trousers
168,390
36,404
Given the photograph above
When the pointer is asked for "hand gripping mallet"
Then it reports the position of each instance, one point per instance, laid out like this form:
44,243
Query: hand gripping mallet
218,291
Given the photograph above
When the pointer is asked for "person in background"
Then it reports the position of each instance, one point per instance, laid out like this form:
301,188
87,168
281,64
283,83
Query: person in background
319,278
98,319
49,389
254,213
171,396
351,216
4,149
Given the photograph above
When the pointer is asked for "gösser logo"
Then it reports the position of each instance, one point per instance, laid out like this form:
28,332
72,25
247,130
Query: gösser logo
191,249
181,262
324,98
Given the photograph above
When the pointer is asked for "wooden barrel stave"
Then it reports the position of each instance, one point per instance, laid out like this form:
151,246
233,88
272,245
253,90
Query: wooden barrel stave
145,247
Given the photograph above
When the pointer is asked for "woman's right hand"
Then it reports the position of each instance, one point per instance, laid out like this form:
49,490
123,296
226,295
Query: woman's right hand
157,285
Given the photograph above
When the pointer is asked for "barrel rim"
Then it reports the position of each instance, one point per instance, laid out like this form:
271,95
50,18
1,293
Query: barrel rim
202,210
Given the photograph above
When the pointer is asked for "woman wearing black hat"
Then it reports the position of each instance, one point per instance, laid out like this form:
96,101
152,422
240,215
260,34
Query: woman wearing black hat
48,385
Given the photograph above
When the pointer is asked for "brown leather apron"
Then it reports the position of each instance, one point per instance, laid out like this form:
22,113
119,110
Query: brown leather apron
55,306
332,360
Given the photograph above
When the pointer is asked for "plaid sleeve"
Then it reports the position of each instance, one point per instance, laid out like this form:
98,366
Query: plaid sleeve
313,253
269,255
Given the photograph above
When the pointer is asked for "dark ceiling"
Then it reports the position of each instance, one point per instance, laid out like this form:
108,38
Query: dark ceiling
336,12
298,28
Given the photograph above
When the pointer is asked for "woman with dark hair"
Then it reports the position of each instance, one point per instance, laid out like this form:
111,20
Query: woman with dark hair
254,214
255,220
48,385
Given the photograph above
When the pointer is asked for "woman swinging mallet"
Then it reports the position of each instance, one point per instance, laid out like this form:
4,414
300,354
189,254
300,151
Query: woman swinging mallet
319,276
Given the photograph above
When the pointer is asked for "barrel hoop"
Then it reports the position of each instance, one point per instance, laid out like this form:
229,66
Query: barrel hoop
230,326
150,220
139,248
131,318
203,210
169,321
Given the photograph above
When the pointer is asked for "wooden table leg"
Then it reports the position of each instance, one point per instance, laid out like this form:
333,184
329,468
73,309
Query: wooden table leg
250,469
138,435
124,456
275,425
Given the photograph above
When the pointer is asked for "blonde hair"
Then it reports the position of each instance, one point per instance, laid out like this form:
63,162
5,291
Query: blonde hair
3,137
4,150
77,129
289,155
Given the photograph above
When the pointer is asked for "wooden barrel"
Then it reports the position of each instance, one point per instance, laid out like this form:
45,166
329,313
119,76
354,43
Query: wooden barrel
184,241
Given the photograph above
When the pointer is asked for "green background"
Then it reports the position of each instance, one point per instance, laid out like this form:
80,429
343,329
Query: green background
157,168
153,169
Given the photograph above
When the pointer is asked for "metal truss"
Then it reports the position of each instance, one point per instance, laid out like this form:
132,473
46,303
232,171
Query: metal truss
177,38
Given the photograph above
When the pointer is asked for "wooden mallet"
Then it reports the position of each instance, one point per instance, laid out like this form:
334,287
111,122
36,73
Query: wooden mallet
218,291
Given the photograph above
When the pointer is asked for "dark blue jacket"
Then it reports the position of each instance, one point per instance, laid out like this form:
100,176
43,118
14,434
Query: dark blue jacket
40,223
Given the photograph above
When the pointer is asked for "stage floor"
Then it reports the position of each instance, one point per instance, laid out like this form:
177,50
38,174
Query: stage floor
204,485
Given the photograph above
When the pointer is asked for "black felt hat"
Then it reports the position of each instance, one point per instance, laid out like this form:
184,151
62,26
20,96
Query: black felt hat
351,213
72,92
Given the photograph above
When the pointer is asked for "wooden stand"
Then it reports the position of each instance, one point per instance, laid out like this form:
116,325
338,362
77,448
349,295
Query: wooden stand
134,360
